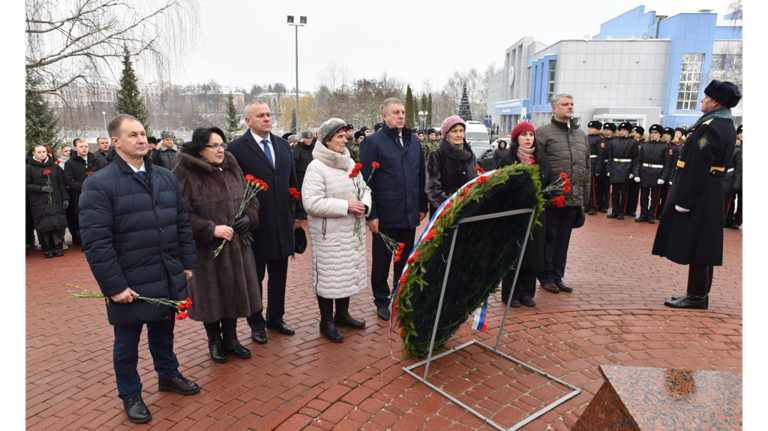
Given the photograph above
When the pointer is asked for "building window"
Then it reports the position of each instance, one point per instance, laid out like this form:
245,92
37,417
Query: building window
718,62
690,81
551,86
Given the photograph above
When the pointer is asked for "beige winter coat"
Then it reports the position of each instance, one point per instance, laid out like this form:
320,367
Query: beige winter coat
338,257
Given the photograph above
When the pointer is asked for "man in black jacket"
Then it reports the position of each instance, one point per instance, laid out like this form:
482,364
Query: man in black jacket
166,152
104,151
79,167
651,169
397,189
302,155
268,157
138,242
691,228
596,150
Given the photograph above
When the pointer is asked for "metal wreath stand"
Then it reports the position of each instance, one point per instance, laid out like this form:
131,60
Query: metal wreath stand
410,369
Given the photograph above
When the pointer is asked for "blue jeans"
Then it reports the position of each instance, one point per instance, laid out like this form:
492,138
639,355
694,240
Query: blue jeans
126,355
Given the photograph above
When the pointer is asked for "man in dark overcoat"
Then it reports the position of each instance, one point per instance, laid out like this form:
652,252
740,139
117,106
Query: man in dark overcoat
397,188
268,157
138,241
691,228
80,166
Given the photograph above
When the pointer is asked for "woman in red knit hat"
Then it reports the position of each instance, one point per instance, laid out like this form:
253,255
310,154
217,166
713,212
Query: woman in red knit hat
524,149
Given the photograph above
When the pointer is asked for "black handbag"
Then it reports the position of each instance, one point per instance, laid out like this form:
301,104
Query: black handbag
580,219
299,240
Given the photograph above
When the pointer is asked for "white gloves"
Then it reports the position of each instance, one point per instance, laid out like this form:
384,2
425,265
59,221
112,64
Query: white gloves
609,174
637,179
631,176
680,209
659,181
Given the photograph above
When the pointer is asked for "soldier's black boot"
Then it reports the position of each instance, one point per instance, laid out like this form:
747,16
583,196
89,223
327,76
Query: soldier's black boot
640,219
327,327
612,215
692,302
343,318
231,345
215,345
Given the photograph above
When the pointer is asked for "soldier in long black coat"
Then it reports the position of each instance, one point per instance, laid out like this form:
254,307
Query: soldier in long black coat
691,228
80,166
667,138
602,180
651,169
622,152
633,190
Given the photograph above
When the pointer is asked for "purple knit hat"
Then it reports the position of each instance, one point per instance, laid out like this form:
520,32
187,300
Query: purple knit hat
450,122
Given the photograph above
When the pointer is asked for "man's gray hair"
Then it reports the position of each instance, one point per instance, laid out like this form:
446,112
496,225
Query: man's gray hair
102,137
247,110
385,104
556,98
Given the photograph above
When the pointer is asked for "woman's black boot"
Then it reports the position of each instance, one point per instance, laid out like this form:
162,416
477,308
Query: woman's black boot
215,345
231,345
327,327
343,318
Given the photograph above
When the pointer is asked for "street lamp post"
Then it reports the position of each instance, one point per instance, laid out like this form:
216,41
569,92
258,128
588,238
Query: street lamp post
302,22
422,119
104,117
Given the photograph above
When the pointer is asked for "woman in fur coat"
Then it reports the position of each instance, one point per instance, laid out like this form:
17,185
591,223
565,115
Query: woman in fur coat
332,204
226,287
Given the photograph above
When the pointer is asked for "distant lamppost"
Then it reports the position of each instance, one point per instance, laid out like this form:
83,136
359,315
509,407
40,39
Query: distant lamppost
423,119
302,22
104,117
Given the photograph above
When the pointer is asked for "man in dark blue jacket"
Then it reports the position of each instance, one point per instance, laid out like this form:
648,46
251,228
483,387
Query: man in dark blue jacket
397,188
138,241
268,158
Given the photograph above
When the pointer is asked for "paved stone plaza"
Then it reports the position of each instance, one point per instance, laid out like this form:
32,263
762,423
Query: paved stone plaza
614,316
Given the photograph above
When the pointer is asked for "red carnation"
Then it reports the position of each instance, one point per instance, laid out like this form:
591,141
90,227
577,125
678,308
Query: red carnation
250,178
448,206
375,165
89,173
479,170
58,162
47,172
358,166
482,180
413,258
294,193
181,316
430,235
563,175
567,186
402,279
559,201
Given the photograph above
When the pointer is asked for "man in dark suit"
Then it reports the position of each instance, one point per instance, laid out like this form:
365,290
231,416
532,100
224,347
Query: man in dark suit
268,157
399,199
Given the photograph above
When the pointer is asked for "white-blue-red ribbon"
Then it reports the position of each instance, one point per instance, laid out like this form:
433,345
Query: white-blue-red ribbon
479,321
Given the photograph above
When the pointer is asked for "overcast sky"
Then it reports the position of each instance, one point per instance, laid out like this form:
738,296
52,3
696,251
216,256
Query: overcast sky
242,42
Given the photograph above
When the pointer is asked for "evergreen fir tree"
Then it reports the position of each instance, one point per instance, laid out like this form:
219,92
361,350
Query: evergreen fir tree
129,99
292,129
429,111
409,108
464,112
41,121
416,110
233,120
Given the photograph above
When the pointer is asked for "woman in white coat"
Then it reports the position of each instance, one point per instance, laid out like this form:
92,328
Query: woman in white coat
332,205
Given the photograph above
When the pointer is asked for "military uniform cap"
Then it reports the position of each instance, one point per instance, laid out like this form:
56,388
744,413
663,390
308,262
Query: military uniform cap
625,126
680,129
739,129
655,128
595,124
724,92
359,134
639,130
609,126
669,131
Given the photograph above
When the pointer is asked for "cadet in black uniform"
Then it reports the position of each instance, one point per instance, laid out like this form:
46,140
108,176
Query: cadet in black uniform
651,169
621,154
602,181
691,228
596,149
732,186
667,137
633,191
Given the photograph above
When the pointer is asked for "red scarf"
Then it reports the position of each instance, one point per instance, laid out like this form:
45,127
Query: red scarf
526,155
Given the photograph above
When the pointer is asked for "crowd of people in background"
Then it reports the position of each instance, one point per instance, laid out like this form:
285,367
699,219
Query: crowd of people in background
200,185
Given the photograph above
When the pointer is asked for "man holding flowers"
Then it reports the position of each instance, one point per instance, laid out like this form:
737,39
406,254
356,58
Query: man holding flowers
138,241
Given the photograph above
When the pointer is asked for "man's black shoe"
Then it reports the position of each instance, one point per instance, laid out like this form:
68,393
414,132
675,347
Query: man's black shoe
549,287
613,215
282,328
528,301
180,385
259,336
564,287
515,303
136,410
634,214
592,211
640,219
735,227
621,216
691,302
383,313
604,209
651,221
675,298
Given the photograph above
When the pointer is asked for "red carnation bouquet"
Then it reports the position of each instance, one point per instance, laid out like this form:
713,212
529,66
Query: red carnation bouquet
182,307
563,183
47,173
252,187
394,247
360,192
